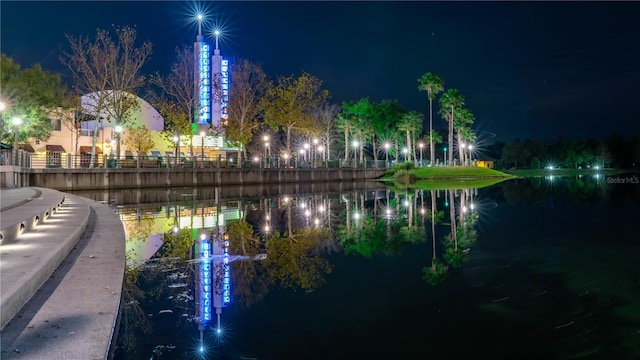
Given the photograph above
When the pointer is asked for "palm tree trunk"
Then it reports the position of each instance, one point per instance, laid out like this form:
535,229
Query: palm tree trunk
431,131
451,137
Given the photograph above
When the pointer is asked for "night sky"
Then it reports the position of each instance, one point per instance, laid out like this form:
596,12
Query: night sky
527,69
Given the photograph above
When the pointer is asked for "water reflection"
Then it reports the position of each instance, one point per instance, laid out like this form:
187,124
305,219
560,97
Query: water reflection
223,277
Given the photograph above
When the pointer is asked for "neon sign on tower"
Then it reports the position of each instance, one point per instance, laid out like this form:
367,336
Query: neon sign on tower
205,84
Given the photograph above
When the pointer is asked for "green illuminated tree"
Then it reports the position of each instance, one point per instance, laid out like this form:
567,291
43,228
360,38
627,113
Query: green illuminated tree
410,123
32,95
292,260
290,103
450,101
140,140
433,85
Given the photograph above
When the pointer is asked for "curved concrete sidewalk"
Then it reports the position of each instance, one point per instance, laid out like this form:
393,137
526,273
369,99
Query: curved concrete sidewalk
60,275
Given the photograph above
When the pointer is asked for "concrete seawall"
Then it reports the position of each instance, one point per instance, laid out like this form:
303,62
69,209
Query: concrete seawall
106,179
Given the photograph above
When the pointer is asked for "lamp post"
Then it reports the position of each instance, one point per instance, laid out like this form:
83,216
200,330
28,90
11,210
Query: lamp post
405,151
470,147
202,149
462,146
118,132
355,152
444,160
315,150
16,122
266,150
421,145
386,153
286,159
320,149
306,151
175,142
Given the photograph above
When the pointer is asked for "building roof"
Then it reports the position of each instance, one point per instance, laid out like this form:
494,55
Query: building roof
26,147
87,150
55,148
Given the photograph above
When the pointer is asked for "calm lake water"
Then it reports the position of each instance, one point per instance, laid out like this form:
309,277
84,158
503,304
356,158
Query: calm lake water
527,269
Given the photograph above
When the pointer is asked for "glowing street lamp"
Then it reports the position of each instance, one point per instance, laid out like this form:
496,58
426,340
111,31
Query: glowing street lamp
16,123
266,150
421,145
444,160
387,146
355,151
461,151
405,151
470,147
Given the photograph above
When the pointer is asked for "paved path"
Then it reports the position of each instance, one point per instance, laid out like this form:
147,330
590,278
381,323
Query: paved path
61,270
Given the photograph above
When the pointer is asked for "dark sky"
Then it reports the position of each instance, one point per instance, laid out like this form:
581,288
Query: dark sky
527,69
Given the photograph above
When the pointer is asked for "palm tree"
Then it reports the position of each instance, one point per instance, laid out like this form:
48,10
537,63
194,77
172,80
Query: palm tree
410,123
433,85
461,123
449,102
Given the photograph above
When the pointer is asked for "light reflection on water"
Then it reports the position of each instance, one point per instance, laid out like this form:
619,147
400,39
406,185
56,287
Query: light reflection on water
366,274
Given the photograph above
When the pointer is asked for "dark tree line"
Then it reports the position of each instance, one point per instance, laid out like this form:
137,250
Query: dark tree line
613,151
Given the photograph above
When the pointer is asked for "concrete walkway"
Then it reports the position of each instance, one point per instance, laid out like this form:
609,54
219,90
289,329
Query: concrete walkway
62,263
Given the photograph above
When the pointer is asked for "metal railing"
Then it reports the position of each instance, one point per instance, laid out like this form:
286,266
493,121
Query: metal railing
83,161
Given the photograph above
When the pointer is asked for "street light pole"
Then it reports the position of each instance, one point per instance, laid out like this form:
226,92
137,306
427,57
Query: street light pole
175,142
421,145
470,158
266,150
118,131
444,160
386,153
202,149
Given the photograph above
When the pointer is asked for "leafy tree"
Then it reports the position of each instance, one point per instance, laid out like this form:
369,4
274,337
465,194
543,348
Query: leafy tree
140,140
249,286
450,101
103,69
32,95
535,163
291,260
433,85
289,104
385,120
177,245
245,105
410,123
326,122
176,121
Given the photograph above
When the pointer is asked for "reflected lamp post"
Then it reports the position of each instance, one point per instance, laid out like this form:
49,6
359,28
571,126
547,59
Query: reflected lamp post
118,132
387,146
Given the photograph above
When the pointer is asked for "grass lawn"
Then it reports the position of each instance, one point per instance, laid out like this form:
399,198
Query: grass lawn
447,177
457,172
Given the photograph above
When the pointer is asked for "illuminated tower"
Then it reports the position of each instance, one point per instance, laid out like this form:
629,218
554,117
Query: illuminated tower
211,73
202,76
